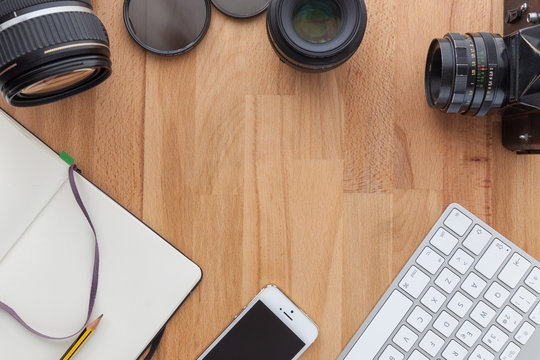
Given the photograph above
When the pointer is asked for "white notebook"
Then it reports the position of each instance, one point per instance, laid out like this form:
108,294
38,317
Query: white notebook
46,257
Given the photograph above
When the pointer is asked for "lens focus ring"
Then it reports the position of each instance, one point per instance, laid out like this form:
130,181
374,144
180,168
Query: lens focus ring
10,6
46,31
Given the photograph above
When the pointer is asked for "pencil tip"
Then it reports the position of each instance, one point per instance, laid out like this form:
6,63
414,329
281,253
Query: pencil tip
100,316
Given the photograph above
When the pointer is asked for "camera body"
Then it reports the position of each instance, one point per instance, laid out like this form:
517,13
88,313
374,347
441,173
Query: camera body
521,117
484,73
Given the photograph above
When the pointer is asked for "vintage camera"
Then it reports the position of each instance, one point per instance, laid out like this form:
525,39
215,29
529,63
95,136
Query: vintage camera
481,73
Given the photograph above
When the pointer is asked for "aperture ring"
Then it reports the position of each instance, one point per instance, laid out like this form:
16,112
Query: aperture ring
471,75
10,6
46,31
481,73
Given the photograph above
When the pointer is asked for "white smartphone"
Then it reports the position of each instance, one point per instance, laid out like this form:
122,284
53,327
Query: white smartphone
271,327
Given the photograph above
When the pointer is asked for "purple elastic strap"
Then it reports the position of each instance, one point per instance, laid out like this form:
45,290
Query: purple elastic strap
95,274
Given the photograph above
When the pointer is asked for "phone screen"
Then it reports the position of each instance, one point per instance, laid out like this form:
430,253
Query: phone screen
260,335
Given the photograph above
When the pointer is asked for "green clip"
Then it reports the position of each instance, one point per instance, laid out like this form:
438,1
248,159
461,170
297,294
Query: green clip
68,159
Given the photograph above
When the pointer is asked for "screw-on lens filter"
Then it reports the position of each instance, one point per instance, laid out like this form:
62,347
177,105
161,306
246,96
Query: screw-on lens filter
167,27
241,8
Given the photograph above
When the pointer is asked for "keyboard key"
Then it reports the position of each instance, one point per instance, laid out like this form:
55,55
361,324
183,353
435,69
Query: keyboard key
417,355
482,314
524,333
495,338
533,280
509,319
391,353
433,299
473,285
447,280
459,304
430,260
414,282
493,258
514,270
419,319
535,314
496,294
405,338
477,239
444,241
480,353
431,343
458,222
523,299
461,261
445,324
454,351
381,327
511,352
468,333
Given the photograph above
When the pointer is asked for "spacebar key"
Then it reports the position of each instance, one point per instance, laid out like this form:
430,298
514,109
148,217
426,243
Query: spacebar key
381,327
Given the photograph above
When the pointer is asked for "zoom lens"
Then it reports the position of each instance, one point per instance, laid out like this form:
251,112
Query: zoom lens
467,74
51,50
316,35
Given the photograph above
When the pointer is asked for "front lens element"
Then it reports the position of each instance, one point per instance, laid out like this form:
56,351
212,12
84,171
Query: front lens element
56,83
317,21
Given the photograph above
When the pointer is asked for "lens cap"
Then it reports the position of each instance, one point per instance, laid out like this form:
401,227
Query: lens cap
167,27
241,8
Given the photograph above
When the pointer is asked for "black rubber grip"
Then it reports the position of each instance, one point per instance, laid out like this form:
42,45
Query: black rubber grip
46,31
9,6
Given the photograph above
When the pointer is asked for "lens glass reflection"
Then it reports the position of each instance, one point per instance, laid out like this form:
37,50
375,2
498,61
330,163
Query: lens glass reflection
317,21
167,25
58,82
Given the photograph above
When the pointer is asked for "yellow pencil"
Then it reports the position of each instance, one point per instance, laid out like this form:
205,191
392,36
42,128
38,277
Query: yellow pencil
85,335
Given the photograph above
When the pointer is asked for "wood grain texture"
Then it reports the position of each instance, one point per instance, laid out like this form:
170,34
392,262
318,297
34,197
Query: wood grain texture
321,184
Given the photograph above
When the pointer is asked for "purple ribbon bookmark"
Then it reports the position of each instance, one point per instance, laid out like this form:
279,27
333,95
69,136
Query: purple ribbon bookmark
95,275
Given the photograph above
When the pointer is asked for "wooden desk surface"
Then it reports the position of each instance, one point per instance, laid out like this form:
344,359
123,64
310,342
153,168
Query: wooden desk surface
321,184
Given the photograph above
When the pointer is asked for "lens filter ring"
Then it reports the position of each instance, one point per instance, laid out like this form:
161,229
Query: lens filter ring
440,67
241,9
167,27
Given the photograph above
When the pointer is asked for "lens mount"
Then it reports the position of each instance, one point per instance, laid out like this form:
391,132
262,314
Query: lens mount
297,51
51,50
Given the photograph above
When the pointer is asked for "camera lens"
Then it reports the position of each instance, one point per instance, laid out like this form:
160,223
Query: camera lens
467,74
51,50
316,35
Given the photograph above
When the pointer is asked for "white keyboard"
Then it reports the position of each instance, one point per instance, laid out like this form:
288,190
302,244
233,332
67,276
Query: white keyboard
466,293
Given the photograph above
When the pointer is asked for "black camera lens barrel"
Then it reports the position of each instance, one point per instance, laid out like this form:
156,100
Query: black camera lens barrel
467,74
59,46
304,53
14,8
